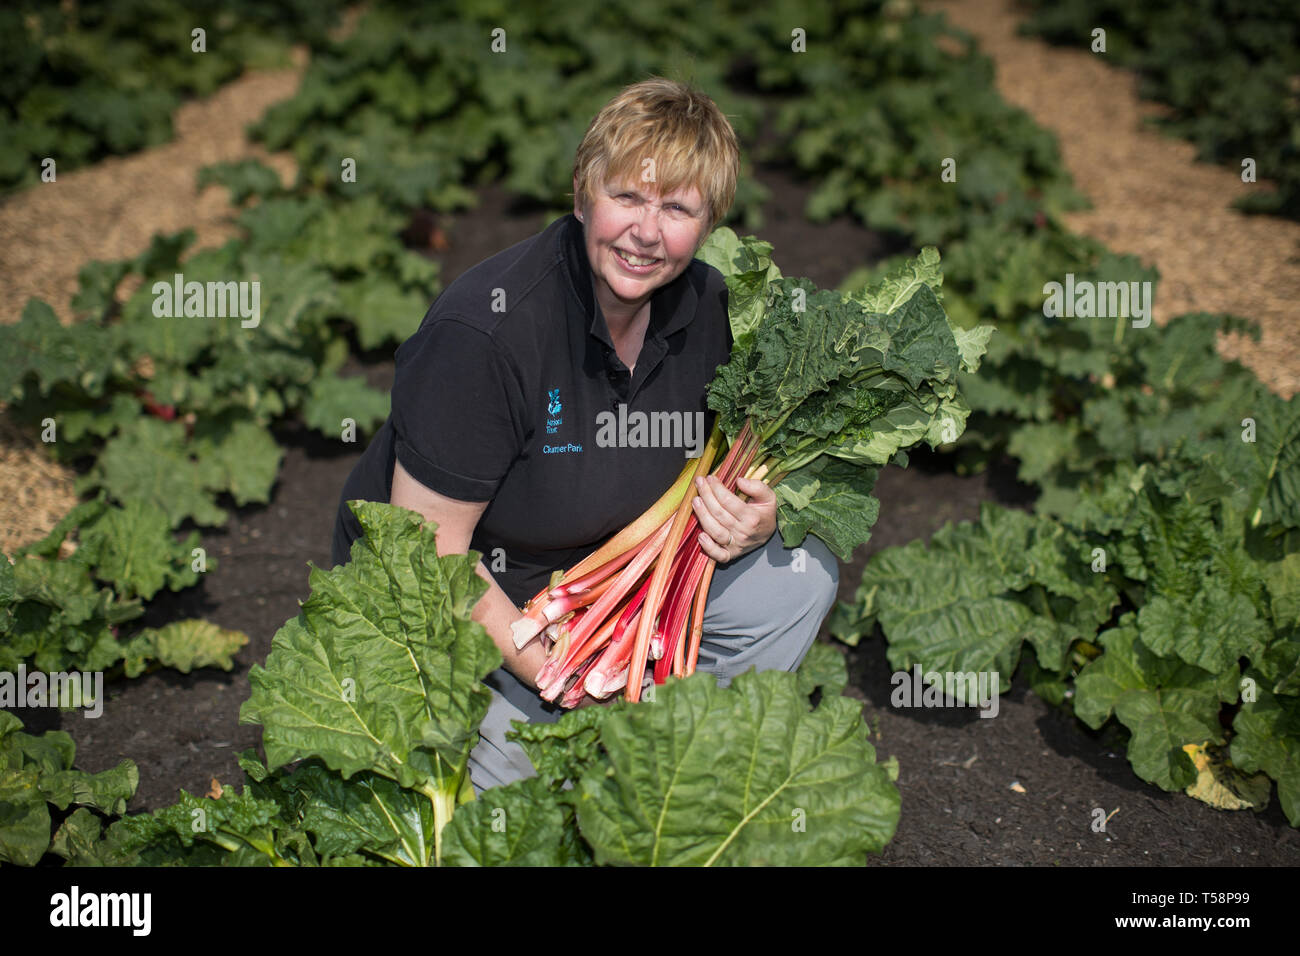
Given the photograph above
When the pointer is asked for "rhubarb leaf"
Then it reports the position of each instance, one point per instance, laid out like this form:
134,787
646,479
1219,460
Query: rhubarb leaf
334,401
1273,470
185,645
36,771
107,791
239,456
830,499
746,775
132,547
367,813
899,284
381,310
747,267
1166,704
230,830
823,667
76,838
151,461
564,749
24,818
1266,736
521,824
382,669
39,345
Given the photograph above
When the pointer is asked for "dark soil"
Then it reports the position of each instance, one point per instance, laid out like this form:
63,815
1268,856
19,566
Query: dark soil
957,770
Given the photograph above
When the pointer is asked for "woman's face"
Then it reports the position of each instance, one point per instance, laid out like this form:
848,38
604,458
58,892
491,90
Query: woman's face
660,233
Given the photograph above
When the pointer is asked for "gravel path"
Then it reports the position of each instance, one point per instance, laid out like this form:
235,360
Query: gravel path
110,211
1151,198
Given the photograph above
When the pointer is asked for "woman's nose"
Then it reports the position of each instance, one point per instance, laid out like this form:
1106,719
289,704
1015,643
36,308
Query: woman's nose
647,227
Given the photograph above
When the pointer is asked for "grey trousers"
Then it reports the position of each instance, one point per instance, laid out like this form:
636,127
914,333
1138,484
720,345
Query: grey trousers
763,612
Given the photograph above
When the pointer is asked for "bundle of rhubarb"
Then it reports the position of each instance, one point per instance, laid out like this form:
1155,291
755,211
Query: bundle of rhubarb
821,391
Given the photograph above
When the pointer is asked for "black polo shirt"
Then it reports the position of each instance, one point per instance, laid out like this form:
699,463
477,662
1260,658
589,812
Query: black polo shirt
499,396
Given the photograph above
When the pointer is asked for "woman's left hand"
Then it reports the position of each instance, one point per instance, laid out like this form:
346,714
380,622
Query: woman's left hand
732,526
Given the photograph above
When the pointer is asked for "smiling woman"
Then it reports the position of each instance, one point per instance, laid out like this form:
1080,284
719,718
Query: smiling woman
654,174
500,396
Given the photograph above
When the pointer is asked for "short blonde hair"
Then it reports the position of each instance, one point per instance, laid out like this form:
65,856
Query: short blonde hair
682,130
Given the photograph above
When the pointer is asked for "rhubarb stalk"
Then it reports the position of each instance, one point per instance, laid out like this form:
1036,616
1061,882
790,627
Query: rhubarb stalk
636,667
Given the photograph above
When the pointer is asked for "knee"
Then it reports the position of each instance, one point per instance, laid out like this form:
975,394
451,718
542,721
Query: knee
814,574
778,586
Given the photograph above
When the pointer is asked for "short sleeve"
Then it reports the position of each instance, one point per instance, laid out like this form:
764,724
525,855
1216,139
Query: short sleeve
456,410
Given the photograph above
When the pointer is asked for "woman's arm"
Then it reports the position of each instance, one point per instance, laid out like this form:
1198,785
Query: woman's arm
456,521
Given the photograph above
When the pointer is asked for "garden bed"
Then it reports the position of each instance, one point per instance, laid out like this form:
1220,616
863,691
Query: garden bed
957,770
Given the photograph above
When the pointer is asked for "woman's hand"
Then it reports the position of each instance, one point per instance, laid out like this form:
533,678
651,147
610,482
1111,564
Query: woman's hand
731,525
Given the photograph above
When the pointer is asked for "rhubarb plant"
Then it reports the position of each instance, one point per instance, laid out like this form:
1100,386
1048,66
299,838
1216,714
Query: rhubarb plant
36,772
1169,600
67,600
381,671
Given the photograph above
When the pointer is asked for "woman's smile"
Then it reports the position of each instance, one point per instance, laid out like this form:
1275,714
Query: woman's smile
637,265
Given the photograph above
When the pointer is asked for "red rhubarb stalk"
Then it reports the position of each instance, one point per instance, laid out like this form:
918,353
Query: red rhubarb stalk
638,531
697,620
658,582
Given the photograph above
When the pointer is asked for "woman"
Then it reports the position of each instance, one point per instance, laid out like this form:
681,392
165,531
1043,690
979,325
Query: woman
494,429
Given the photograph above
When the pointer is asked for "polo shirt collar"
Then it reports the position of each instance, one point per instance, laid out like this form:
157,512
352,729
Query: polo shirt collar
672,307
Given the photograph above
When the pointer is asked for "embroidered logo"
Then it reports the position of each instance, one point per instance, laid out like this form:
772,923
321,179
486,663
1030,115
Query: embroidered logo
553,406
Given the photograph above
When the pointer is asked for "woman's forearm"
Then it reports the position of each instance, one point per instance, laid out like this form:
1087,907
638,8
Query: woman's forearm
496,612
455,522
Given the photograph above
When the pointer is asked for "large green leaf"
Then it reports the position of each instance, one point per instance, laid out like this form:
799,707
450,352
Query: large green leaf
1166,704
823,668
36,771
381,310
151,461
1266,736
520,824
238,829
564,749
955,606
53,353
747,266
367,813
241,456
1211,630
334,400
830,499
381,670
24,818
107,791
742,776
132,547
1276,457
899,284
